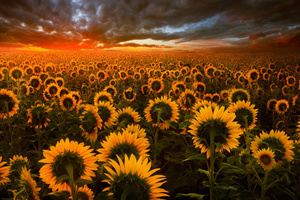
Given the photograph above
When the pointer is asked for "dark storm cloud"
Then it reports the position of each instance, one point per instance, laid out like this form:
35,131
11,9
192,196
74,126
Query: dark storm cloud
85,23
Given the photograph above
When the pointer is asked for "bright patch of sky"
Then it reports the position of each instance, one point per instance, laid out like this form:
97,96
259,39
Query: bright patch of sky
151,42
40,29
207,23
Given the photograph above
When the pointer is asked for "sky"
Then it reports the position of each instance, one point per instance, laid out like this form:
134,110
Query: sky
149,24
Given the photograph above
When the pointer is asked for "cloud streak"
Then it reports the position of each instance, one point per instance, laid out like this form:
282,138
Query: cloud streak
65,24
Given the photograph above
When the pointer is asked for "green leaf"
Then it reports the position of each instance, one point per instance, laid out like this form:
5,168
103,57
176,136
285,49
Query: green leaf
172,124
224,186
184,124
218,145
191,195
204,172
82,182
201,157
62,178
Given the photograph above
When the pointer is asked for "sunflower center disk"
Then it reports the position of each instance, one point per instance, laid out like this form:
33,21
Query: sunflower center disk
89,122
66,158
132,187
275,145
122,149
164,109
218,129
243,114
6,102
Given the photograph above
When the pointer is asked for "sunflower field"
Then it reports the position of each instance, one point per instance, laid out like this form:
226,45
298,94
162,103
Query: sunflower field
111,125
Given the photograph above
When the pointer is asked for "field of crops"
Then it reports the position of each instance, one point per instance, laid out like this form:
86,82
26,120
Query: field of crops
149,125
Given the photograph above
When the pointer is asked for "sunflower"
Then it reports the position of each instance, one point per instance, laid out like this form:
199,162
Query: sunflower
123,143
285,90
85,193
282,106
127,116
29,185
176,73
187,99
29,71
281,76
4,70
103,96
24,90
60,81
76,95
91,121
137,76
216,98
4,172
209,71
35,82
277,141
266,76
49,80
1,76
273,87
38,116
46,95
271,104
129,94
146,90
134,177
123,74
92,78
16,73
280,125
290,81
265,157
67,102
111,90
244,111
17,163
238,95
253,75
135,128
101,75
9,104
296,100
52,89
156,85
62,91
113,82
65,154
161,110
259,91
200,104
224,94
217,121
107,113
81,71
43,76
208,97
179,84
199,87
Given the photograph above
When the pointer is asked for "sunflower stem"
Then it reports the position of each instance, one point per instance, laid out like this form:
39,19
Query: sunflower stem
263,186
69,169
156,135
247,149
211,168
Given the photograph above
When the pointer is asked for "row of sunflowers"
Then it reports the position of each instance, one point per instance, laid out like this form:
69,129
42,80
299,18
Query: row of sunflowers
86,125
